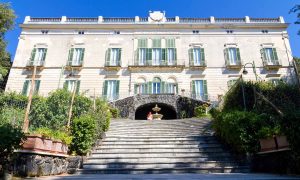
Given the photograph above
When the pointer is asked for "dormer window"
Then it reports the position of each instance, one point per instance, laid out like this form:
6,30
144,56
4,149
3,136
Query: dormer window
195,32
44,31
116,32
265,31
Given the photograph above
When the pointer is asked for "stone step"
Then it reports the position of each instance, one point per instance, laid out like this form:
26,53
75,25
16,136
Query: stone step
155,129
158,150
217,155
157,134
159,138
156,160
189,142
128,146
176,170
159,165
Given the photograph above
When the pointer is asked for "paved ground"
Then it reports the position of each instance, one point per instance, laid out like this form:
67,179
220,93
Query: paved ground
173,177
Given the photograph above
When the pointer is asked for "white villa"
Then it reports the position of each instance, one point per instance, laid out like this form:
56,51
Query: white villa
120,57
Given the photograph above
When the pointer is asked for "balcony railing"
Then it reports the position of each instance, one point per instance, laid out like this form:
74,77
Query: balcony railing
275,64
161,64
202,64
129,20
31,63
233,65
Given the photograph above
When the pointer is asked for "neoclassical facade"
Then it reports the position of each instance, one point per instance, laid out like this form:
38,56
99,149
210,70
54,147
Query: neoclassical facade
116,58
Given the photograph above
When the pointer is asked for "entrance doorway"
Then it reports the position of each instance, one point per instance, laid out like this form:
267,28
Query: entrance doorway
167,111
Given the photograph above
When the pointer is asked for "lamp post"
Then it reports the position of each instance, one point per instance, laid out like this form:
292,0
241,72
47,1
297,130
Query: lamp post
246,72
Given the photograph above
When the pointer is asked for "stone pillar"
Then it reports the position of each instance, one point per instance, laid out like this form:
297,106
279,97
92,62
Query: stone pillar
177,19
100,19
212,19
63,19
27,19
247,19
137,19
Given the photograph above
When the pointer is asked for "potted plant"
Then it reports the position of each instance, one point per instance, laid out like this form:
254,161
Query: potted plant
272,139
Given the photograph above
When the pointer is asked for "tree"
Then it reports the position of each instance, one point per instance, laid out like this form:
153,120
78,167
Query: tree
7,17
296,9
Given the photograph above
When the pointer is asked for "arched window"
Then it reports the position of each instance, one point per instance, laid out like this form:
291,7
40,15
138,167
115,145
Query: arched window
156,85
171,86
140,86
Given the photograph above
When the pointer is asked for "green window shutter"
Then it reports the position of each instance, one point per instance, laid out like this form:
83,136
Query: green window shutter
33,52
176,88
193,87
163,57
77,86
71,52
44,55
135,89
163,87
202,56
263,54
191,57
82,55
66,84
104,89
238,55
119,57
25,87
107,57
275,54
117,88
149,56
226,56
136,57
150,87
37,86
205,90
175,56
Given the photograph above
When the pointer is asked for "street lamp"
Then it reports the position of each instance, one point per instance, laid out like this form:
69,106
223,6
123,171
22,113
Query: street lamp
253,67
246,72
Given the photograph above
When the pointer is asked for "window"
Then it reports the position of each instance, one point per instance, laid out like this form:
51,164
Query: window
116,32
171,88
80,32
275,81
113,57
156,86
195,32
229,31
70,85
171,54
111,89
265,31
142,51
76,56
270,56
156,56
199,90
27,86
140,88
44,31
38,56
231,82
197,56
232,56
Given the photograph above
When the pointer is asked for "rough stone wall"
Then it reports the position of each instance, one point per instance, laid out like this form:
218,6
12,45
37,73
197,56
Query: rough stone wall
183,106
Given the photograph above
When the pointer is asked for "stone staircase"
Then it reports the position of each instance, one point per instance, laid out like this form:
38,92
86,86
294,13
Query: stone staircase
167,146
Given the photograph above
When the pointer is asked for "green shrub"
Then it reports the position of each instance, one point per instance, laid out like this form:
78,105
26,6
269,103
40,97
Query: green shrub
200,111
10,139
114,112
239,129
84,134
12,115
44,131
54,134
102,116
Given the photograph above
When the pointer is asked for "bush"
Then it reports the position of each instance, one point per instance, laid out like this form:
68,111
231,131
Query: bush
200,111
53,134
102,116
10,139
114,112
12,115
84,133
239,129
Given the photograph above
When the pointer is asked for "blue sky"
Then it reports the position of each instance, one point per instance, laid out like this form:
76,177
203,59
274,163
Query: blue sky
131,8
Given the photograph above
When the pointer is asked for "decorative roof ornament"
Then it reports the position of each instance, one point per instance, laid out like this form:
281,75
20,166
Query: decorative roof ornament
157,16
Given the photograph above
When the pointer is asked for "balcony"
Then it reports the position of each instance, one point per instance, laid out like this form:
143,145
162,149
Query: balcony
151,66
233,65
74,66
272,65
200,66
39,65
112,67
